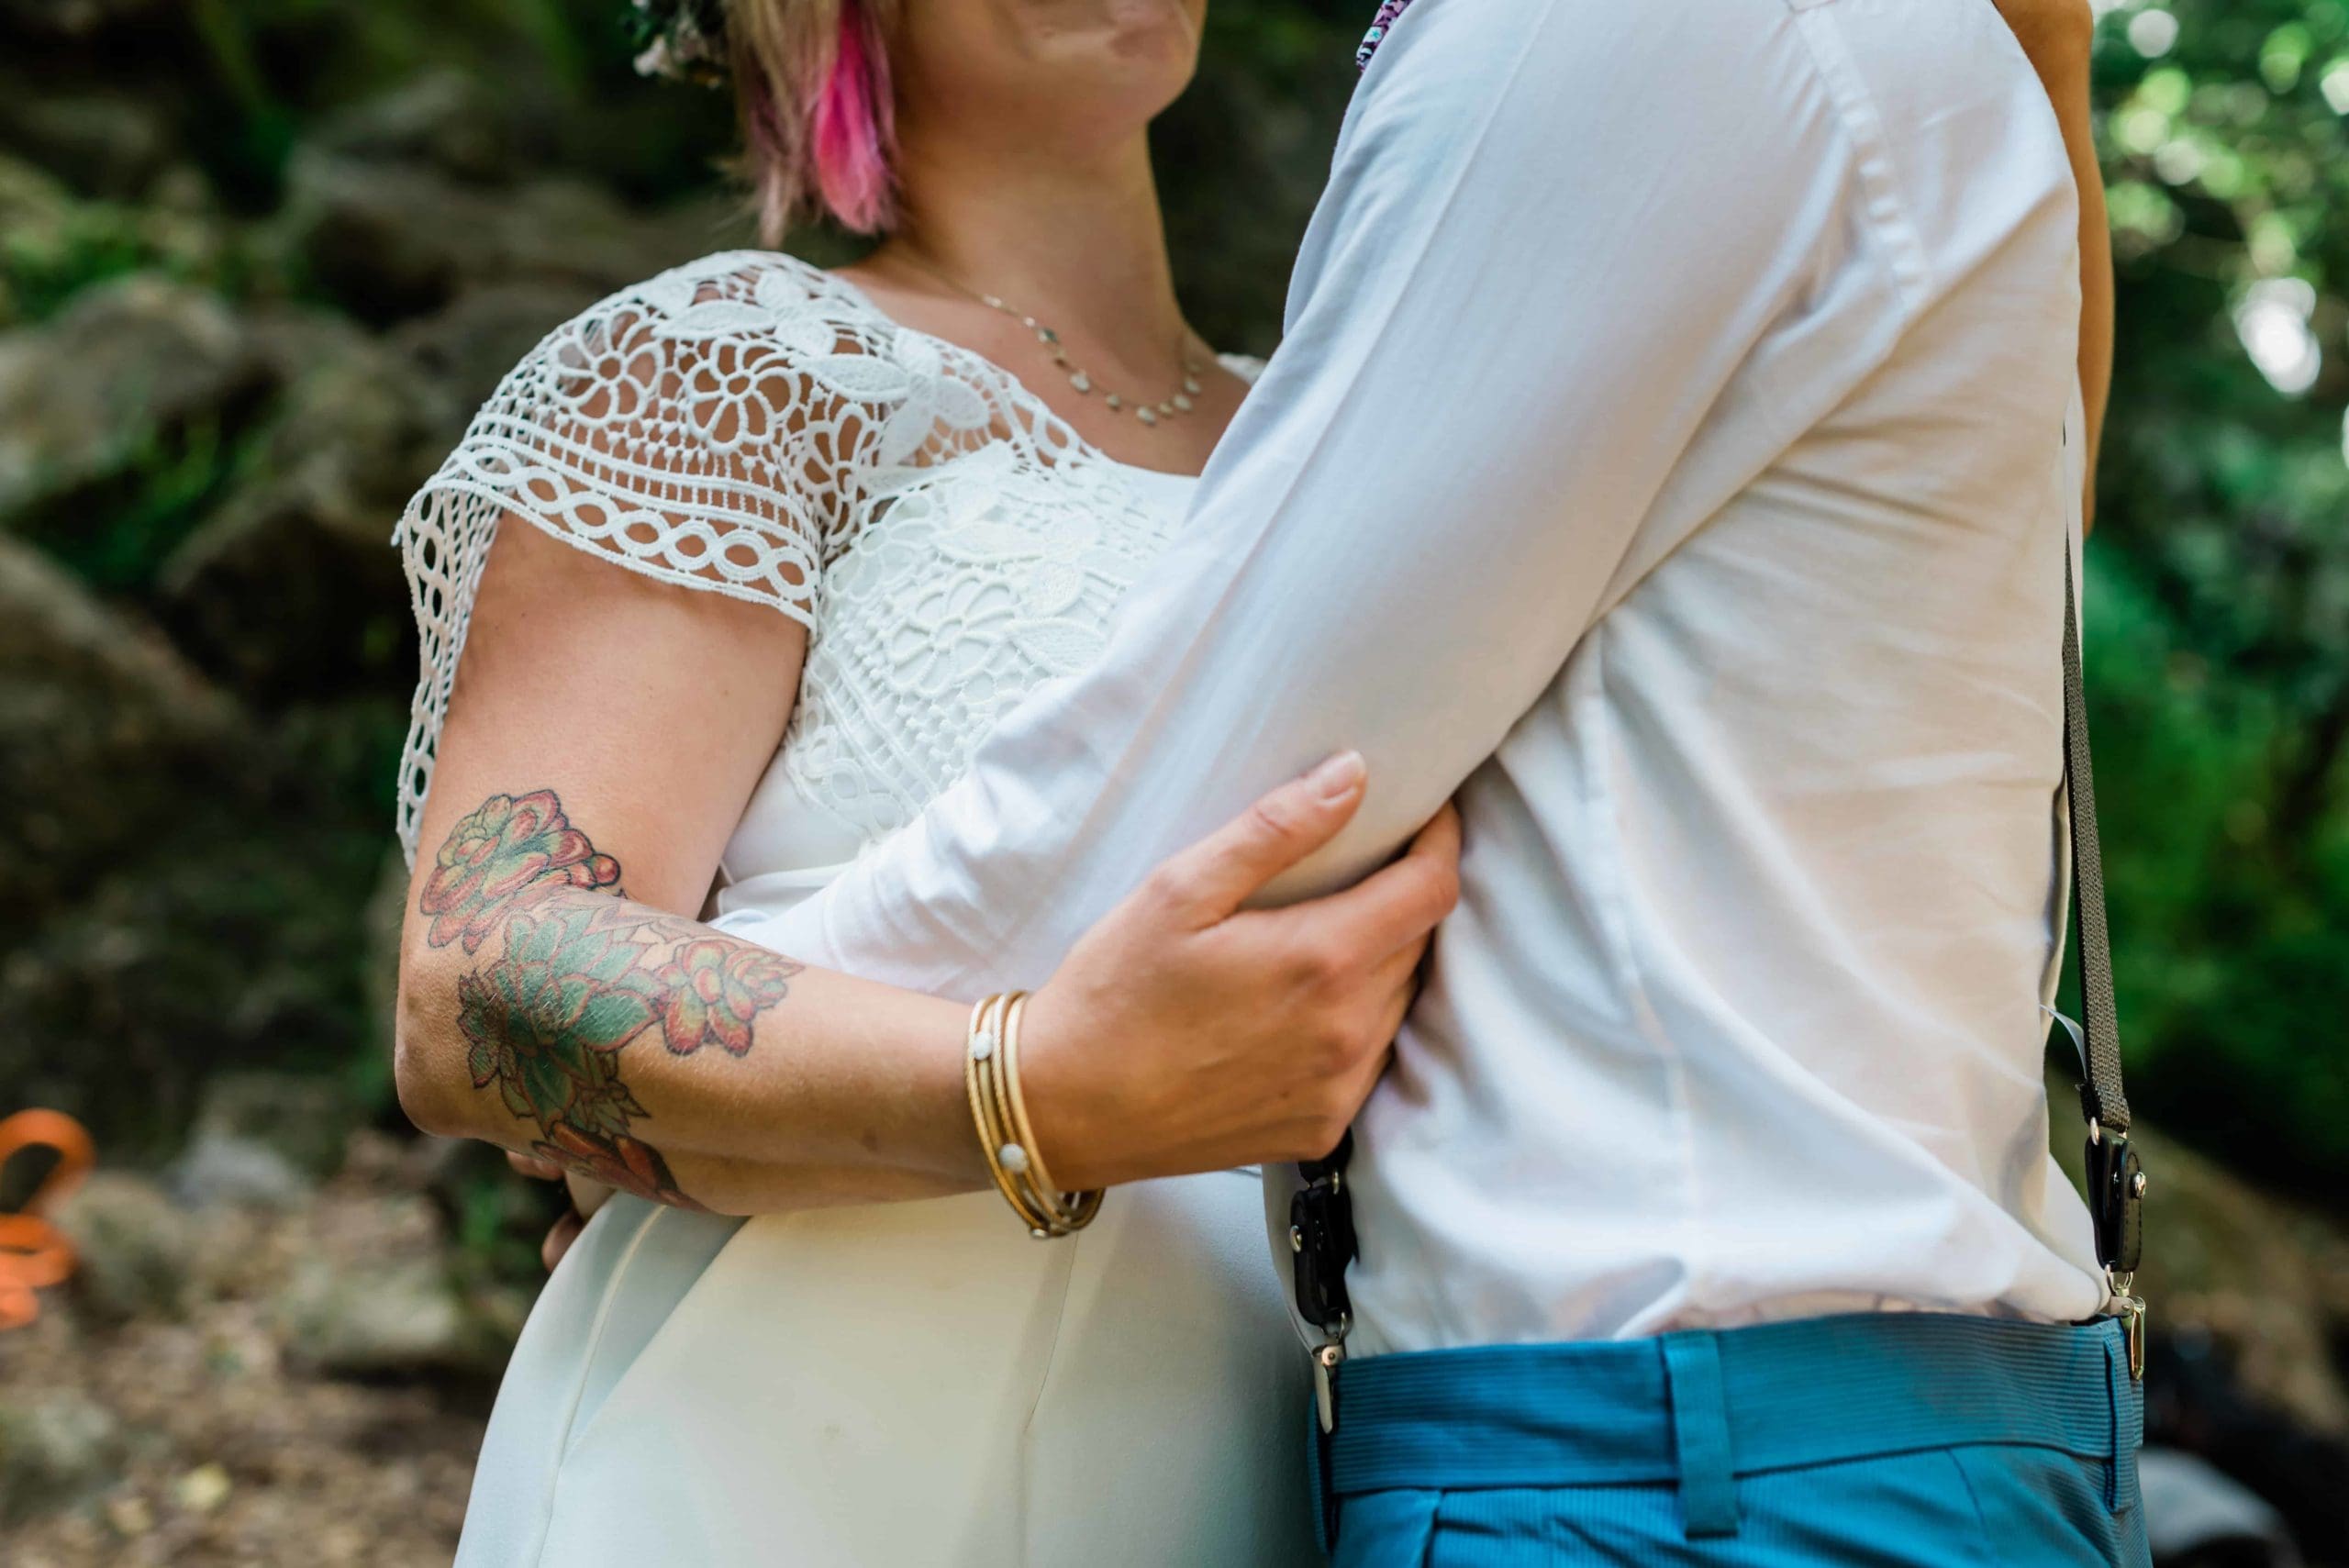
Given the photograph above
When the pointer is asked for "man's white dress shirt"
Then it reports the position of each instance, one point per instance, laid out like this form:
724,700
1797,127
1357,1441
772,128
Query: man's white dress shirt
1669,453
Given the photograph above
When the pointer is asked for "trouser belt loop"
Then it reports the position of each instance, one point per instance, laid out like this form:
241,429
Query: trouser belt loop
1323,1478
1692,1370
2128,1425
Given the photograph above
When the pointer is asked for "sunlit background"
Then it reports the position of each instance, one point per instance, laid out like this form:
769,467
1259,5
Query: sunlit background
259,259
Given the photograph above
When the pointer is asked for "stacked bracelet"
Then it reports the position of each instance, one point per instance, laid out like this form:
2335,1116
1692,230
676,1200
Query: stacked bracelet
991,1077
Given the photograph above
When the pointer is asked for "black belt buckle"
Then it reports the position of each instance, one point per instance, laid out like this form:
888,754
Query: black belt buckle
1321,1240
2116,1185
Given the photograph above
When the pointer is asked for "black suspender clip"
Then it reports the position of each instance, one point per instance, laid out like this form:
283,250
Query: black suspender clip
1322,1238
1321,1242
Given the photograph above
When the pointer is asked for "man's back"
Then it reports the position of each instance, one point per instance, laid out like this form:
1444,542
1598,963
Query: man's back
1668,451
1667,440
1740,1015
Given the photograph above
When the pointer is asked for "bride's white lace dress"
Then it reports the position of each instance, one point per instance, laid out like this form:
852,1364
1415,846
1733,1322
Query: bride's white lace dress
898,1385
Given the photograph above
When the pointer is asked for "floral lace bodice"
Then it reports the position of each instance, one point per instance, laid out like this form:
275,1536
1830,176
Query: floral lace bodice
750,426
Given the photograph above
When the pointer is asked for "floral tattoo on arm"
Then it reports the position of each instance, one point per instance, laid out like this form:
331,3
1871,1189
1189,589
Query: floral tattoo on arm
574,980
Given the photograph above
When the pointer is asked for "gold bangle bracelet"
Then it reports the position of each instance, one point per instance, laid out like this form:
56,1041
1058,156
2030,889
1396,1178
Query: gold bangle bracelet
991,1082
1073,1211
978,1076
1012,1150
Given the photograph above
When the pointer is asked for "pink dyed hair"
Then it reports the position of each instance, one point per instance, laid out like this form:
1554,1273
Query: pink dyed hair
819,112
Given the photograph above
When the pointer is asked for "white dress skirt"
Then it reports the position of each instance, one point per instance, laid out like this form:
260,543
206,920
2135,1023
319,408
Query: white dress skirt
912,1384
893,1385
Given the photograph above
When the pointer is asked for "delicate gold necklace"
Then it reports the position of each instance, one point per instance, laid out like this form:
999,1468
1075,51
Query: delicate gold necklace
1079,378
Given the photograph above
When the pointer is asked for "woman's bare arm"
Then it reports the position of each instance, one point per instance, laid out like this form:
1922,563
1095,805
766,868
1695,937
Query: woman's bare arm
555,999
604,736
2057,37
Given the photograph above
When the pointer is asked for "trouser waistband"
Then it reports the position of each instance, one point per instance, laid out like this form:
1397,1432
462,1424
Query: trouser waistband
1699,1408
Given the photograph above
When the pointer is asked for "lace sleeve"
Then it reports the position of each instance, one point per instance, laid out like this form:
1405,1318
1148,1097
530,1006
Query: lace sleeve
704,429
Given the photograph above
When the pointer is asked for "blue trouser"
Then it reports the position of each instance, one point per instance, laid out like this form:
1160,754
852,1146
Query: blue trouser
1881,1438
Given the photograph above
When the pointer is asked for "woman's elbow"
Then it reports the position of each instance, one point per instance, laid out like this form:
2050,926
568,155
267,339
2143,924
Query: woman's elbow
426,1073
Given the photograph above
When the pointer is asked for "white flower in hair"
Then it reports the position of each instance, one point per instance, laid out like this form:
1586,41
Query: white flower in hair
682,40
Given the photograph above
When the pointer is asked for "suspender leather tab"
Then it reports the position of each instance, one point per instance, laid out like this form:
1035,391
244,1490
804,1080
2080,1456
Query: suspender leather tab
1321,1241
2116,1185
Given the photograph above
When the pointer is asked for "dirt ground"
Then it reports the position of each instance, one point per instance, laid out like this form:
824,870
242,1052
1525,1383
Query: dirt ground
210,1434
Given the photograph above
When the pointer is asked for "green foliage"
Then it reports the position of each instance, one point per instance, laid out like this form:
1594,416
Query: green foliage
171,482
2218,608
53,244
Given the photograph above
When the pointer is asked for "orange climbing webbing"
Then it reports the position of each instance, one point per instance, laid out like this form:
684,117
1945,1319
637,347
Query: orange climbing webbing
33,1252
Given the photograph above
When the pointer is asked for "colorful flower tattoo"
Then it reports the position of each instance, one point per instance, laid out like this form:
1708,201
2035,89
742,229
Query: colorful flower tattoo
578,979
509,850
715,989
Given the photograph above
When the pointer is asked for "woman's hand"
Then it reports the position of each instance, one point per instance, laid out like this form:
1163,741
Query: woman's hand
1187,1033
586,1197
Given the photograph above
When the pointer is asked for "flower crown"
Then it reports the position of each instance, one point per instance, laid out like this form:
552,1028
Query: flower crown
684,40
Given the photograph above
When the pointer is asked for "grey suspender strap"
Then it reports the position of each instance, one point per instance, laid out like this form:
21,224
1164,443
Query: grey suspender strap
2116,1183
2101,1099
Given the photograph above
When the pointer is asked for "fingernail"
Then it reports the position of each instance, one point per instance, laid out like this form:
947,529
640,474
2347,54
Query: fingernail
1338,777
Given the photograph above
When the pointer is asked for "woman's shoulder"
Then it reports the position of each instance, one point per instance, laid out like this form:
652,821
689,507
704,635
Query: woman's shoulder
732,364
760,354
708,293
766,300
706,425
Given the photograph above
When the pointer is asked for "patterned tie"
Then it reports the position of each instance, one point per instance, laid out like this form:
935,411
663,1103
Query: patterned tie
1387,11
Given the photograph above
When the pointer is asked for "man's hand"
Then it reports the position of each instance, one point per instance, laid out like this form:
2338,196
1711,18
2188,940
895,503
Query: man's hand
1187,1032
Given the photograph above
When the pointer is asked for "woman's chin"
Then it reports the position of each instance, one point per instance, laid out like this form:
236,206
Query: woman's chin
1128,38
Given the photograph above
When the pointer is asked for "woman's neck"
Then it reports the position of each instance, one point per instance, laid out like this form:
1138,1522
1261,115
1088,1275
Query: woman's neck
1081,244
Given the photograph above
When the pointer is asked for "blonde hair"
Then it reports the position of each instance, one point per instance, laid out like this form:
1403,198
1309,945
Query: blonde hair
811,82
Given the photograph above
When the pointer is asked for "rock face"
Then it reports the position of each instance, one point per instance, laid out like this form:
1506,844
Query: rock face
219,1169
136,1250
2265,1280
53,231
90,693
307,531
112,748
445,120
247,300
2191,1508
113,144
55,1451
301,1118
130,366
396,1319
393,240
73,18
262,264
389,1302
262,1141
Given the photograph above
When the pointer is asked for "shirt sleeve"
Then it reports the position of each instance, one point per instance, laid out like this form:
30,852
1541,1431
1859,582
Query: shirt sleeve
1559,300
